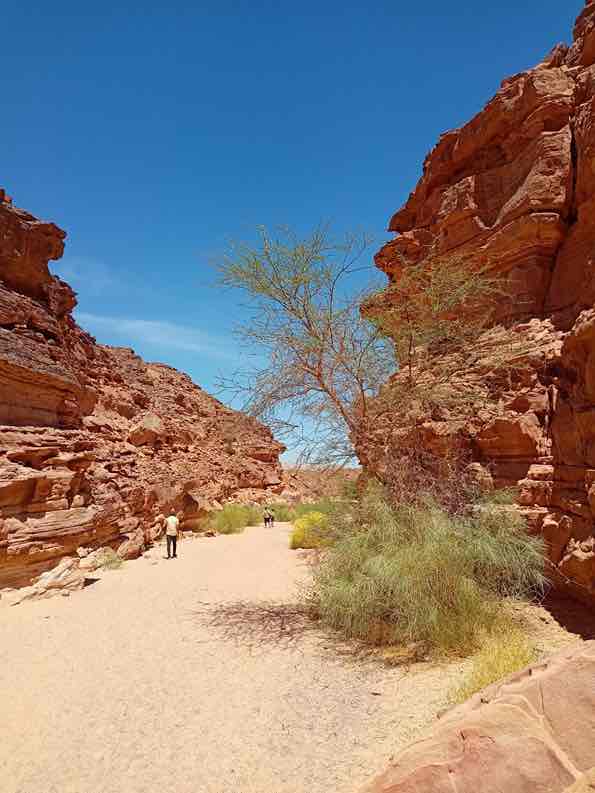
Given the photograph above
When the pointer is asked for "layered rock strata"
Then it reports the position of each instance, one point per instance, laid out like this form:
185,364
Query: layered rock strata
94,442
533,732
514,191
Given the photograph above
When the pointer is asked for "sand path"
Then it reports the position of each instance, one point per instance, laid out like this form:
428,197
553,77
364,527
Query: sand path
197,675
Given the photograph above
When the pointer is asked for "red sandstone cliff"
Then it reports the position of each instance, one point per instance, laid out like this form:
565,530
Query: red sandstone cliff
514,189
94,442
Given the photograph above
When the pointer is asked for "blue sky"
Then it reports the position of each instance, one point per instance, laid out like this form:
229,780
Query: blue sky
154,133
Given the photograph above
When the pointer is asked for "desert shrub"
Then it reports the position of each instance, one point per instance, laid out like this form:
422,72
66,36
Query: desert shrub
324,505
349,489
283,512
506,651
233,518
398,574
505,496
500,553
309,531
109,559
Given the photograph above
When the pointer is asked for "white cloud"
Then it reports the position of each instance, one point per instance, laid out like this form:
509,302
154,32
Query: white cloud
157,333
85,274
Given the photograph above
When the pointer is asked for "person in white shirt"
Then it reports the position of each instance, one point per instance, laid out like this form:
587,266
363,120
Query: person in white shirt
172,526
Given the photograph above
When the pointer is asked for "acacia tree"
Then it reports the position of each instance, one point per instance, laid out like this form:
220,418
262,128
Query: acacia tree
320,363
316,362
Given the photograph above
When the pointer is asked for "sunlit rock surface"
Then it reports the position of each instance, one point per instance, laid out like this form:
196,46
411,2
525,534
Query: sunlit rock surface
94,442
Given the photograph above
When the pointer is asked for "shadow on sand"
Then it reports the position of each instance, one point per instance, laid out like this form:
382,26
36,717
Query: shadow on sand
266,624
256,624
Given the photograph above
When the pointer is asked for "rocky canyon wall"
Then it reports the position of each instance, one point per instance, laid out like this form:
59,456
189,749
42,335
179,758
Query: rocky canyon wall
94,442
514,190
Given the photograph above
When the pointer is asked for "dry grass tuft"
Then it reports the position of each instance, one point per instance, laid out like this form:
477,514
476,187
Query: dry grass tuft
110,560
503,652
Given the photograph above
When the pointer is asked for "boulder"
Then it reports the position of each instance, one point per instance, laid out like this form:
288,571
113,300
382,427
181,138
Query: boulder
66,576
133,546
146,431
532,733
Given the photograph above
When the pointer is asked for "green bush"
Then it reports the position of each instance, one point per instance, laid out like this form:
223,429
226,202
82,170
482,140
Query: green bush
506,651
415,573
309,531
233,519
283,512
324,505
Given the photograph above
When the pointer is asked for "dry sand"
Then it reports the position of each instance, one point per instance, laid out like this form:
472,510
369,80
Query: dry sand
198,675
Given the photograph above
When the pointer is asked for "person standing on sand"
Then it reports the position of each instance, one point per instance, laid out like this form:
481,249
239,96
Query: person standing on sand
172,526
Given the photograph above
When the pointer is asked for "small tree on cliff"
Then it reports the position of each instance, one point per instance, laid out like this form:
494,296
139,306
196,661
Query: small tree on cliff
448,320
435,312
317,361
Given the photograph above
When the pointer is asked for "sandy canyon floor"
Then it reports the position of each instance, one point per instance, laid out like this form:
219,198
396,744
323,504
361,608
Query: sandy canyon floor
199,675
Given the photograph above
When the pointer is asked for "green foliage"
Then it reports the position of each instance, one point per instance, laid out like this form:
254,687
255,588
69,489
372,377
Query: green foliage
310,531
233,519
415,573
506,651
324,505
504,497
283,512
109,559
287,513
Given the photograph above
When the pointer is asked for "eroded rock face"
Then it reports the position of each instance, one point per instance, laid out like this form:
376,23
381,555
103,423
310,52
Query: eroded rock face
514,189
533,733
94,442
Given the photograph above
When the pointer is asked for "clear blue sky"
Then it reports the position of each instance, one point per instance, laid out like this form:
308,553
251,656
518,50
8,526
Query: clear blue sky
153,133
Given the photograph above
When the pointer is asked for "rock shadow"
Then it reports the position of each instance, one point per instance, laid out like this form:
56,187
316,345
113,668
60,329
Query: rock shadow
571,614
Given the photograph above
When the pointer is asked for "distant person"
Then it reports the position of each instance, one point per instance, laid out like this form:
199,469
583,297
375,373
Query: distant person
271,517
267,517
172,527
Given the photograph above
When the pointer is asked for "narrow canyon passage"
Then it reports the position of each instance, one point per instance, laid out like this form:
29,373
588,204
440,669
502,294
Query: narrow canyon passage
197,675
